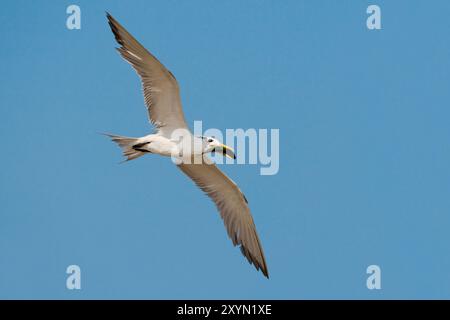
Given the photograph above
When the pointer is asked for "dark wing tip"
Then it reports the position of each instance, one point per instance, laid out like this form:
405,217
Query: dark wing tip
115,28
259,265
110,17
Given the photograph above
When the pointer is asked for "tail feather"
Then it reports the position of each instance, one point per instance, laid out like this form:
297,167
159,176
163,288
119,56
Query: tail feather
127,143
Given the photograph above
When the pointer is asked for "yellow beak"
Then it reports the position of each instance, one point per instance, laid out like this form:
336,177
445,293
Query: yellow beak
226,151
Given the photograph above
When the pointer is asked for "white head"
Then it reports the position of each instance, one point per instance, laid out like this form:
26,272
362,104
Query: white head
211,144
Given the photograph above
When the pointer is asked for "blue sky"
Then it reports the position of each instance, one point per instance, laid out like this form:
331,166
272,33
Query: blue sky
364,150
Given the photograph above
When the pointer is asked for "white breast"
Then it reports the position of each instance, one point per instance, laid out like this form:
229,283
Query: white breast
160,145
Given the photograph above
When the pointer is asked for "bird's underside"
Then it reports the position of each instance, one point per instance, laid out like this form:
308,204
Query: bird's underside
161,95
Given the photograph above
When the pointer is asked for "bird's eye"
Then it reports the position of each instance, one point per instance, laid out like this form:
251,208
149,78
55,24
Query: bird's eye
210,140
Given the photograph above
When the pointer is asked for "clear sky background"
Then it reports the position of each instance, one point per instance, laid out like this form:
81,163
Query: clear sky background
364,150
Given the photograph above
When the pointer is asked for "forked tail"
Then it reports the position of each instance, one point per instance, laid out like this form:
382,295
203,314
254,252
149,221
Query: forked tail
128,146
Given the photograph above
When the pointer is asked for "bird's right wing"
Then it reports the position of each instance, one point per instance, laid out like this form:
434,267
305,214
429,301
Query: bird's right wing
233,208
161,92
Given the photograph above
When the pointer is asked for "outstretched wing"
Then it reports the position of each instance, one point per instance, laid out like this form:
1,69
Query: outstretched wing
233,208
161,92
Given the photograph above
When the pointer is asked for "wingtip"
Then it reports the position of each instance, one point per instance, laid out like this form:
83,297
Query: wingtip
111,20
105,134
264,270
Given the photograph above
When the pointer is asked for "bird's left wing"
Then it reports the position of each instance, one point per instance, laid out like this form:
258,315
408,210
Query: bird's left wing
233,208
161,91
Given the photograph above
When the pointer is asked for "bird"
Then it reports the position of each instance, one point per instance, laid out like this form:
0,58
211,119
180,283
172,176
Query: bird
162,99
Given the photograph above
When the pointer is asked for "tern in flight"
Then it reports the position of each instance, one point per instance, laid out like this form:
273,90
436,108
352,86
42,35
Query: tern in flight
162,98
